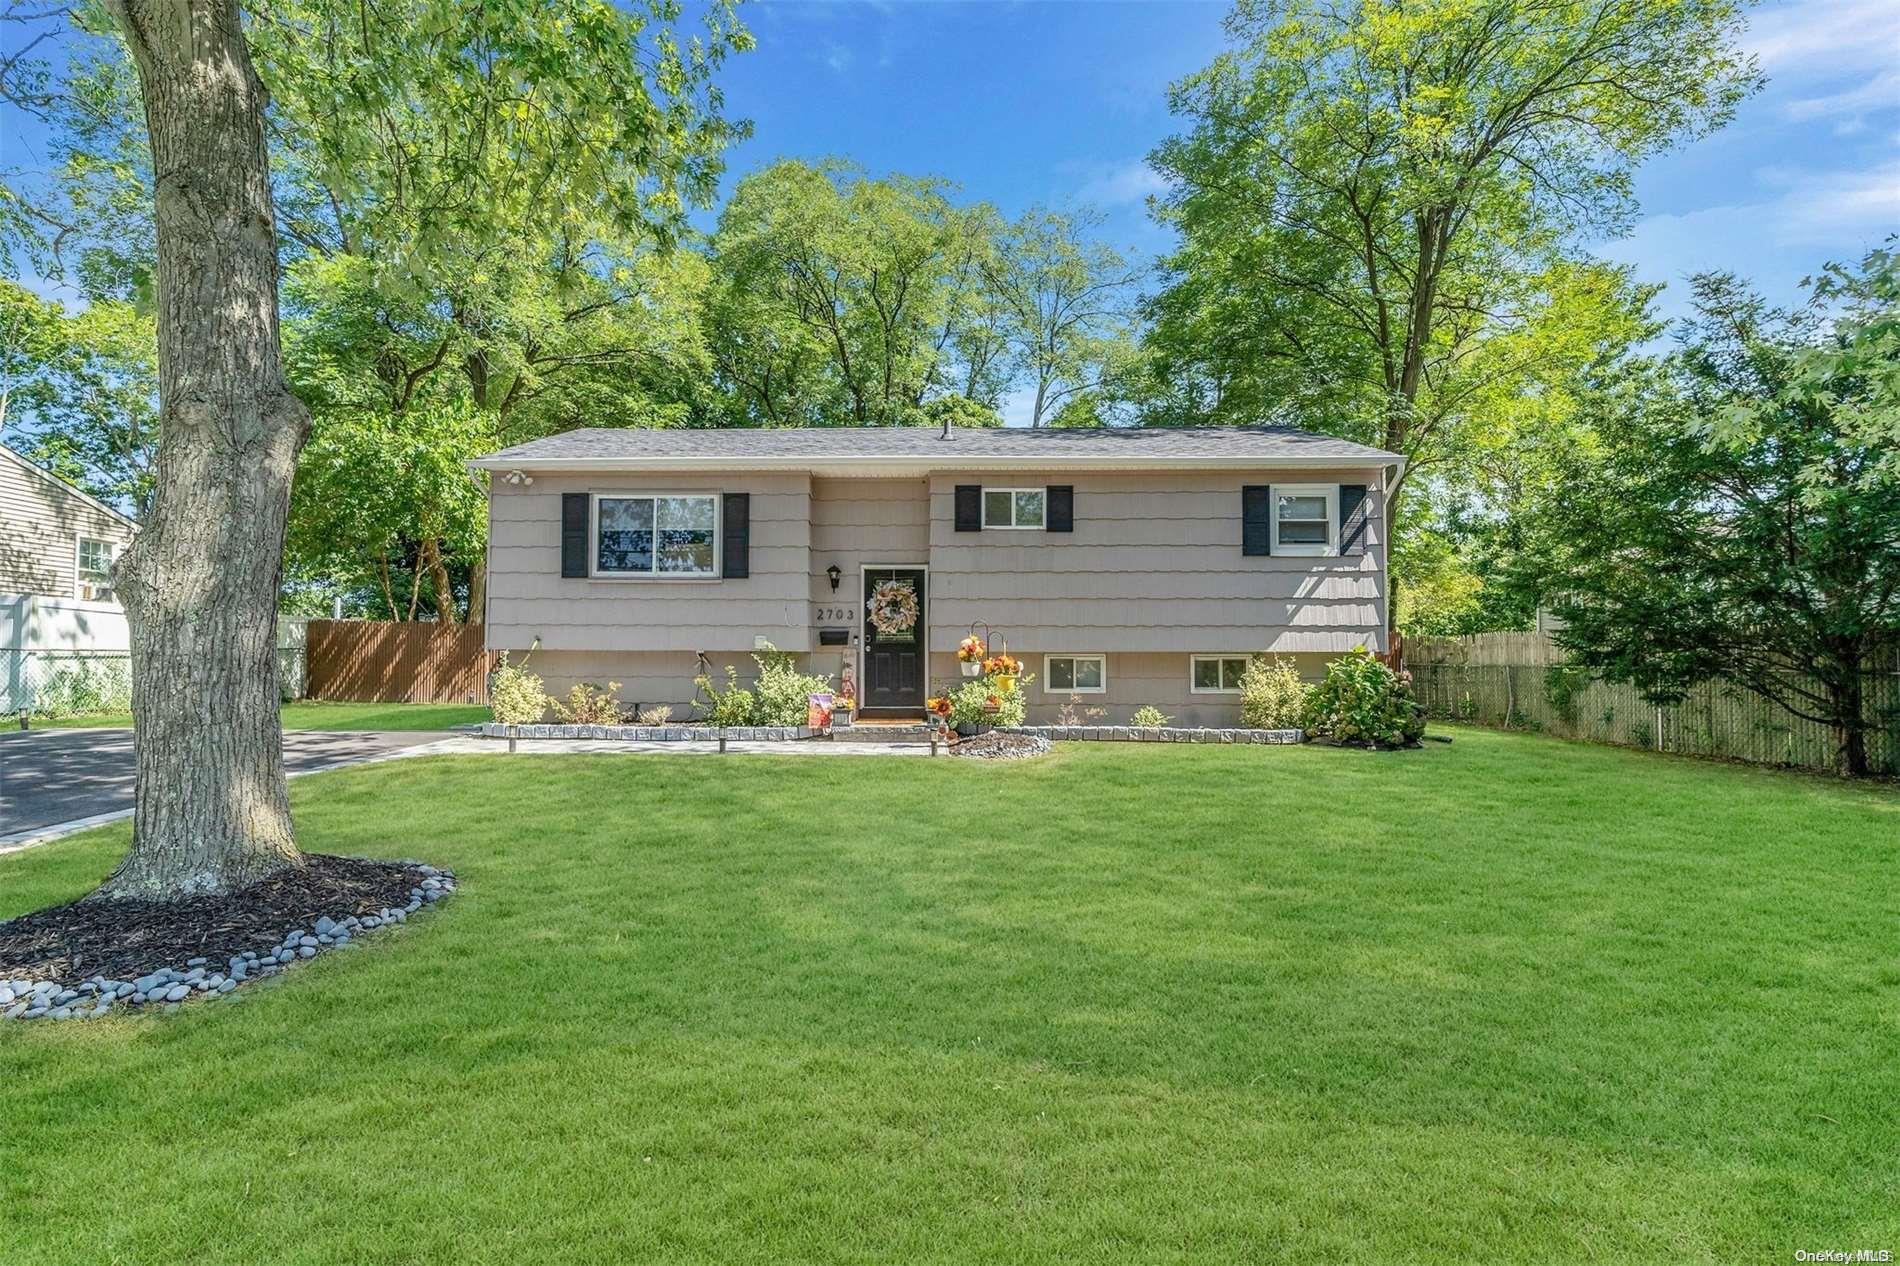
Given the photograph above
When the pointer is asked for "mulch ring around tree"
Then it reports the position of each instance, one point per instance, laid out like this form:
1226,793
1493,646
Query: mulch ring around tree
326,902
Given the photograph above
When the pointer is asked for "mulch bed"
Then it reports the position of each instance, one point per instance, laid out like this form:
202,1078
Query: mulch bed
995,745
123,939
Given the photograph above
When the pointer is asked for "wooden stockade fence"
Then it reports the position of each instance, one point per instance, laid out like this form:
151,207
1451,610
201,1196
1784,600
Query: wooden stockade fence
1519,681
383,661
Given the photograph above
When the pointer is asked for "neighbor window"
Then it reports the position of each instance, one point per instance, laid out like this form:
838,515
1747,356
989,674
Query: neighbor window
1012,507
1074,674
95,569
1303,519
1217,674
655,536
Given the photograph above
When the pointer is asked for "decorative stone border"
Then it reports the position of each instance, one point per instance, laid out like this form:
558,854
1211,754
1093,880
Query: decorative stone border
1155,734
168,987
652,733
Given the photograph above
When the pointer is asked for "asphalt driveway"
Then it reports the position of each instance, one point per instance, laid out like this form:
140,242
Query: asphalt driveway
50,777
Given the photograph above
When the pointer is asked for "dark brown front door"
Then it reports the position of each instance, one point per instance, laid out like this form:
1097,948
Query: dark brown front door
894,658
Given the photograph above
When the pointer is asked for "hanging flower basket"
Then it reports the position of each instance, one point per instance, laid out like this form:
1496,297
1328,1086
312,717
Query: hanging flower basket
970,652
893,607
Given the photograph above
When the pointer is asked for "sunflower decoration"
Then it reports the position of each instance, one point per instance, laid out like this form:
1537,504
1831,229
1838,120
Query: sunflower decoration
893,607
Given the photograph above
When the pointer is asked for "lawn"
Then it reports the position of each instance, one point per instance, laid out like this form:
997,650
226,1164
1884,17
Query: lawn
313,714
1506,1000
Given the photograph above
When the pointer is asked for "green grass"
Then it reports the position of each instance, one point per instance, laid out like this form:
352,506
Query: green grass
311,714
1507,1000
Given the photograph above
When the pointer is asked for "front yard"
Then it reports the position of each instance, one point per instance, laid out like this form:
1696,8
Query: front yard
1511,999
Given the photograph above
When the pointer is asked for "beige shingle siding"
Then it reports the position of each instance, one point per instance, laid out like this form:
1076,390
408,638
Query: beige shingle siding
41,521
1154,564
528,597
859,521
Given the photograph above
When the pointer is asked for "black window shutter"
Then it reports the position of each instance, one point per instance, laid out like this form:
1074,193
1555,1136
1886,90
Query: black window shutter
574,534
1352,536
1059,508
1256,519
969,507
736,561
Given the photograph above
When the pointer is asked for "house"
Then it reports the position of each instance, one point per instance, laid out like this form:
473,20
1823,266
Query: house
57,546
1123,566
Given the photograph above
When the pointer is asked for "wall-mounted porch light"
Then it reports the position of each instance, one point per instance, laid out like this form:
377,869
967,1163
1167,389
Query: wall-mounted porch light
833,574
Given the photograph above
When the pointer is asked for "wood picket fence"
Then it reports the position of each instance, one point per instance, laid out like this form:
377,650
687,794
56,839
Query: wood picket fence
1520,681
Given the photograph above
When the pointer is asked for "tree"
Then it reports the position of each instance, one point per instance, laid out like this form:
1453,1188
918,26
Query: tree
1068,306
1740,520
1371,192
78,392
557,106
847,299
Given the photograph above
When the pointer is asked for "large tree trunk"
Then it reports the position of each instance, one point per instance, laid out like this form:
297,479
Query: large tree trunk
200,583
1849,726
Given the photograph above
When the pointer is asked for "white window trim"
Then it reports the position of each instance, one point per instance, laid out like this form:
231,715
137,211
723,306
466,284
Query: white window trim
669,578
1298,549
1211,690
79,571
1013,526
1048,689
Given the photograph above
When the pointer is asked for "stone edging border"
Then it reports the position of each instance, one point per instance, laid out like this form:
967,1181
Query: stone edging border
796,733
1156,734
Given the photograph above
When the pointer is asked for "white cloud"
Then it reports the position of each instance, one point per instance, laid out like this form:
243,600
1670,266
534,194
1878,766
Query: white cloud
1117,184
1831,58
838,57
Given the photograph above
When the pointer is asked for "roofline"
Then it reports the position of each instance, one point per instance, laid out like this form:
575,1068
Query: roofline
894,464
74,489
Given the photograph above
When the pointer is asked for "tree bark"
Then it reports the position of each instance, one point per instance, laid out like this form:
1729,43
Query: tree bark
1848,725
200,582
477,591
439,581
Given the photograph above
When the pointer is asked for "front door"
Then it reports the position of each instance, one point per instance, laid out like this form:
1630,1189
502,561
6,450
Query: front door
894,639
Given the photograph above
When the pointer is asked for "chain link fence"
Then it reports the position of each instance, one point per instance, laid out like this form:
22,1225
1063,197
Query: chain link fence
74,683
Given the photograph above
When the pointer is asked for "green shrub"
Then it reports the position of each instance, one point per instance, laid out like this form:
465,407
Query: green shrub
1362,702
781,693
1272,696
515,695
967,702
1149,717
78,686
731,706
779,697
588,704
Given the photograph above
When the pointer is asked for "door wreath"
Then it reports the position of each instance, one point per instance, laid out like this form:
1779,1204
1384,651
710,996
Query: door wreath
893,607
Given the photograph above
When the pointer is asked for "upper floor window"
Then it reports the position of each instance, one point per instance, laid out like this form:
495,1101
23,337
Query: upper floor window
656,536
1303,518
1013,507
95,569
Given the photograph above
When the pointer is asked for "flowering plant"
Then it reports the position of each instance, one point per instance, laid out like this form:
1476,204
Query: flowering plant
1003,664
938,705
970,649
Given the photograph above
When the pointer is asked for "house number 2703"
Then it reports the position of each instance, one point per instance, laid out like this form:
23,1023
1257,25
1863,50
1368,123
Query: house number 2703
836,613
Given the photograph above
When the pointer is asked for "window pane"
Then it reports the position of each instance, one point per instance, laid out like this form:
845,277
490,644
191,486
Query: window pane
996,508
1303,533
626,534
1062,674
95,557
685,536
1230,670
1029,509
1302,507
1207,674
1088,674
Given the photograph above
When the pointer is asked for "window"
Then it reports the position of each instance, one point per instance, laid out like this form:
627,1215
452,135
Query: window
1074,674
95,569
1303,518
1217,674
1012,507
655,536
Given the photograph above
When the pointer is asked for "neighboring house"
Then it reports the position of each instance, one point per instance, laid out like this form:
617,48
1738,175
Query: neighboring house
1124,566
57,546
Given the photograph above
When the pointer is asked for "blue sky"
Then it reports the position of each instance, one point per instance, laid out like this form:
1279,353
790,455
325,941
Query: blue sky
1059,102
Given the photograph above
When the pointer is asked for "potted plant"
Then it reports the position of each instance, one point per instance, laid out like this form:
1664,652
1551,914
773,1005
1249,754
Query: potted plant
970,652
1004,668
